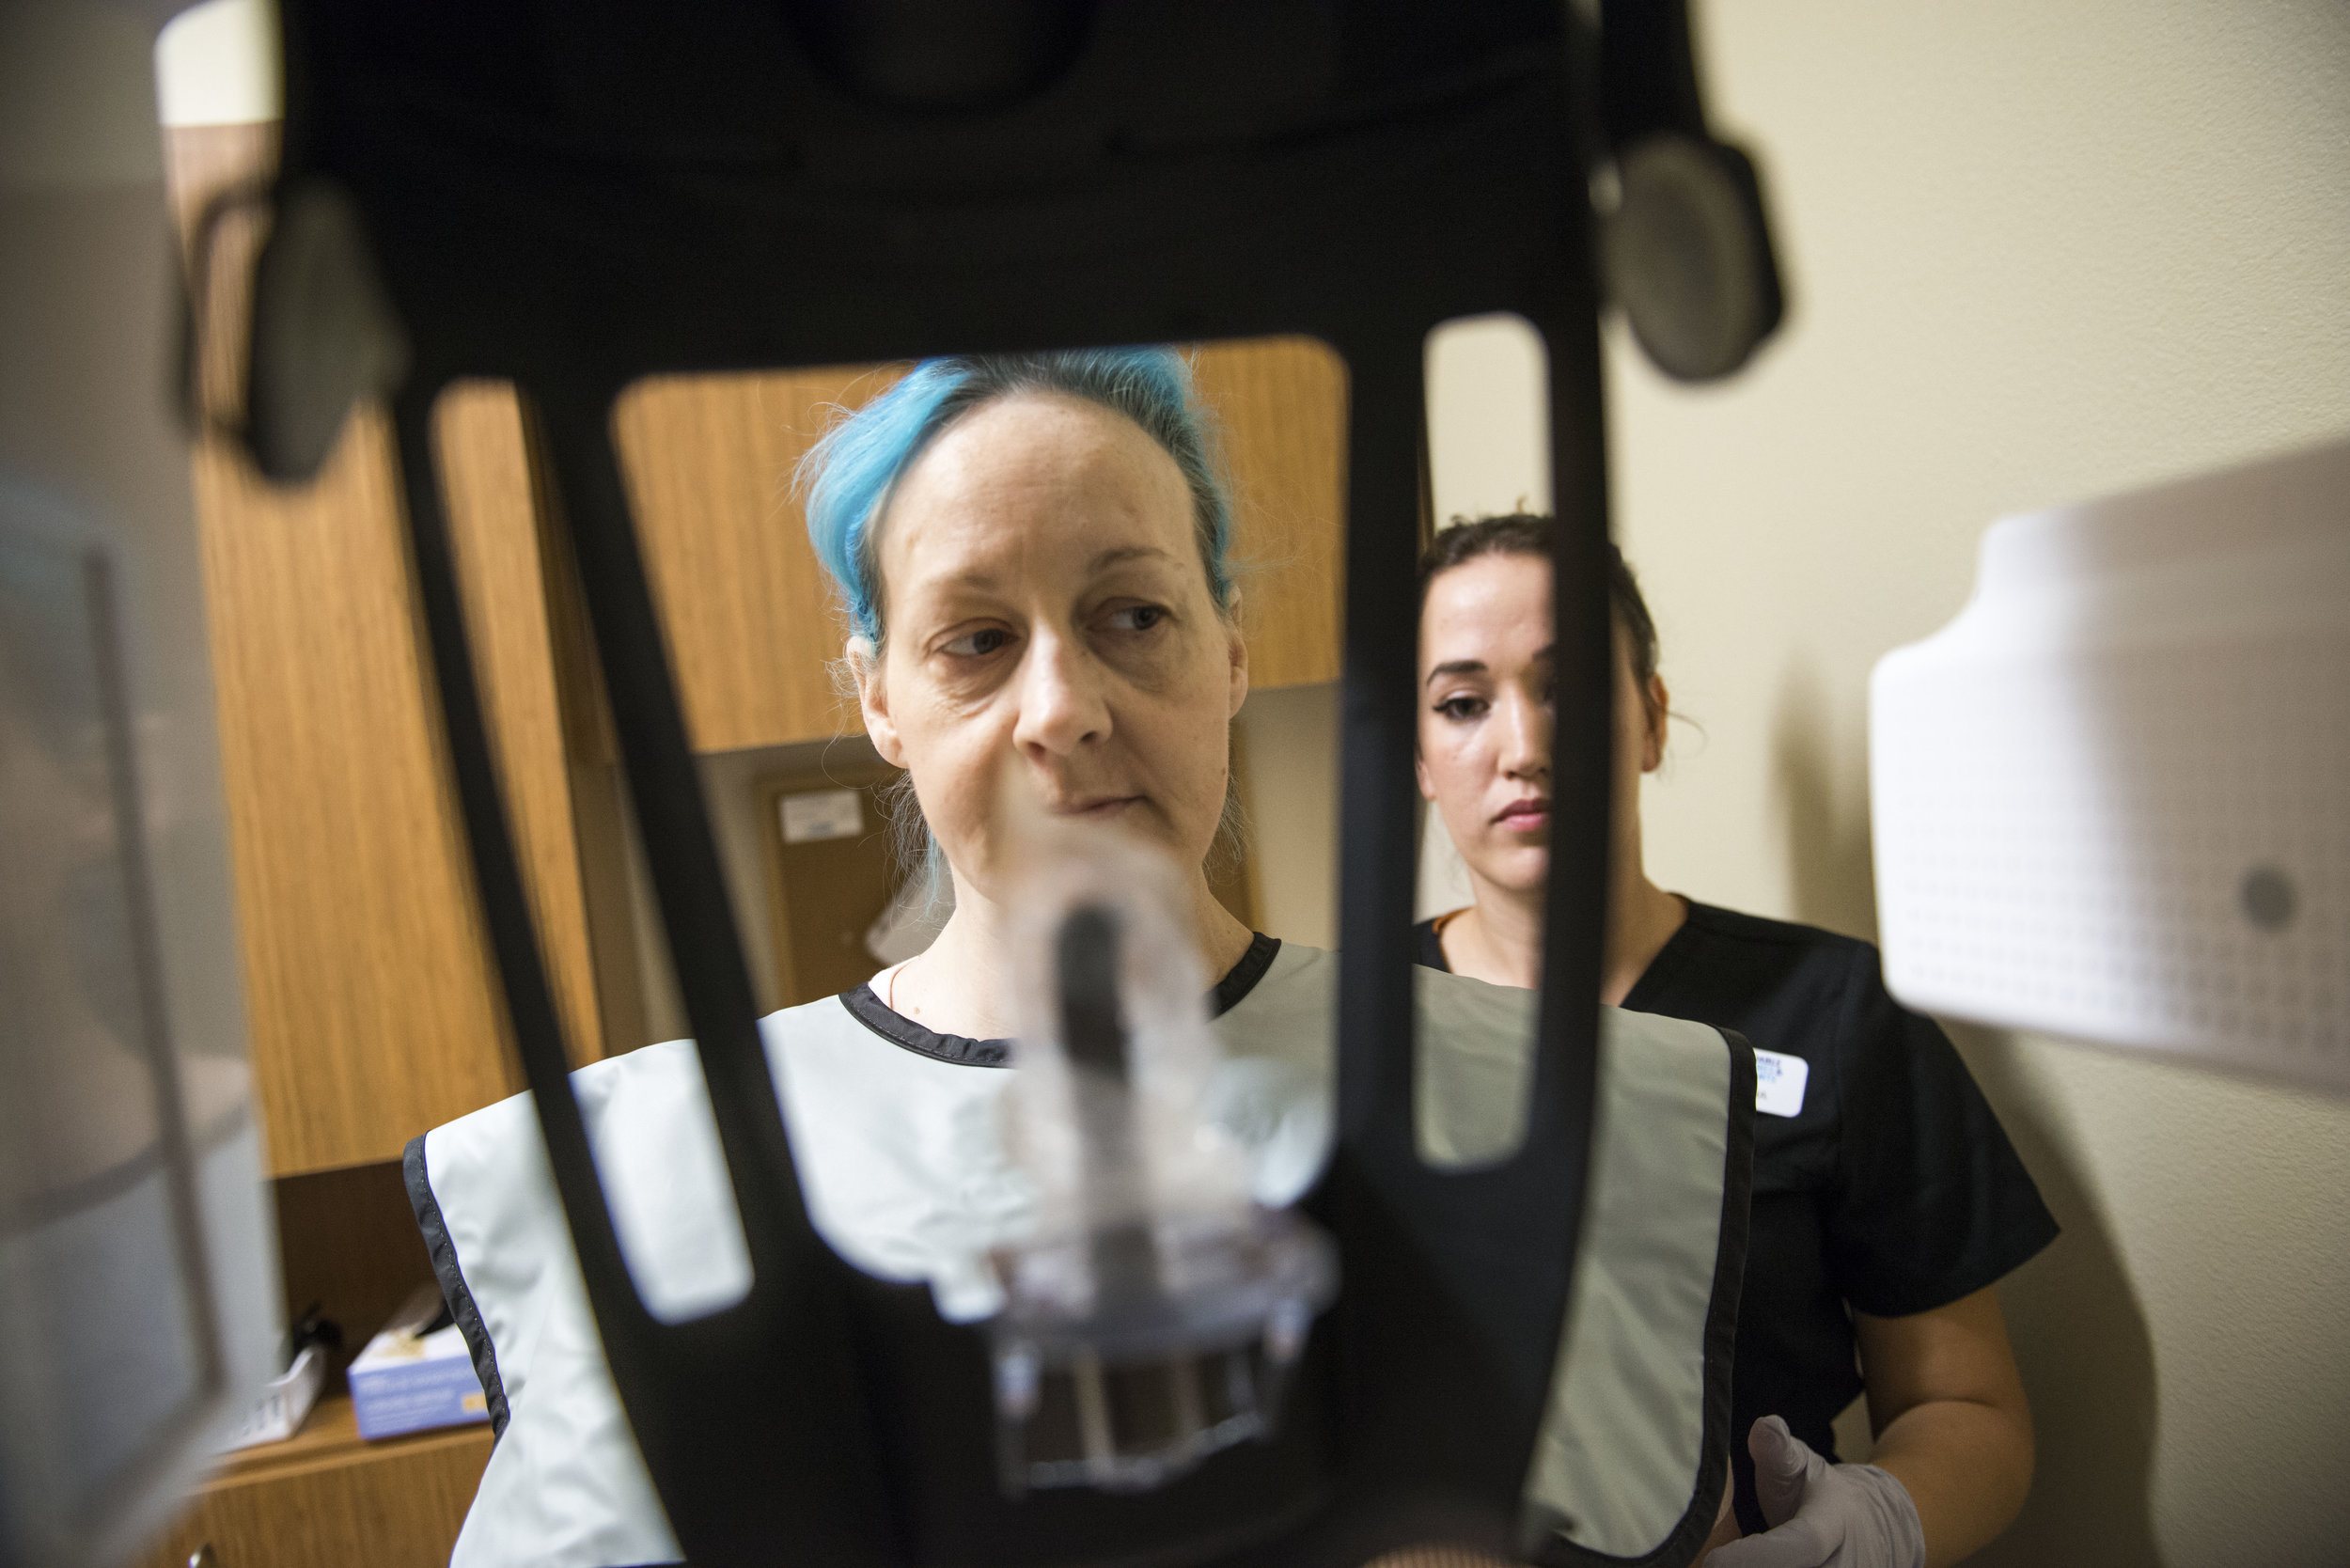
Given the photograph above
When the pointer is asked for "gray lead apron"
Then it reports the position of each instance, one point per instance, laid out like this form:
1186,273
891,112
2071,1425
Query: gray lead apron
900,1155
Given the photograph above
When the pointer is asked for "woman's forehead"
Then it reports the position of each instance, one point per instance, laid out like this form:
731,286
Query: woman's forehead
1036,483
1492,600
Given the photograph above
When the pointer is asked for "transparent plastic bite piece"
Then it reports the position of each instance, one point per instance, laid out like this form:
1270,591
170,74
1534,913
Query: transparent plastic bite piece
1152,1316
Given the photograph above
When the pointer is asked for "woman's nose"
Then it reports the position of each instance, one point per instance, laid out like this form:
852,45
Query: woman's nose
1061,702
1525,737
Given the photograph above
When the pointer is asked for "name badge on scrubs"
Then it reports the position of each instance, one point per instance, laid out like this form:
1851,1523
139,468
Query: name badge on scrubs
1778,1080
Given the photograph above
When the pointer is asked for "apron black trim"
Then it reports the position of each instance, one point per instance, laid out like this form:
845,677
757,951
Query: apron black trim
1243,977
961,1049
964,1051
454,1290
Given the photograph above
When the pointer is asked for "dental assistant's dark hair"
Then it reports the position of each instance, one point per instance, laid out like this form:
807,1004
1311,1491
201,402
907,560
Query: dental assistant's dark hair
1524,533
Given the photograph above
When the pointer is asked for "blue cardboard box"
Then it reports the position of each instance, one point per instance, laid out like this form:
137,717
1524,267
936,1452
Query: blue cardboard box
415,1374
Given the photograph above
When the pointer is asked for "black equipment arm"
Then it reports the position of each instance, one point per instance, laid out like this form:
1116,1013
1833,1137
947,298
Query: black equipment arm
572,196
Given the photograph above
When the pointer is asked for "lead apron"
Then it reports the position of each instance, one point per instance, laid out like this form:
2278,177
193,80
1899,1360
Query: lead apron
905,1176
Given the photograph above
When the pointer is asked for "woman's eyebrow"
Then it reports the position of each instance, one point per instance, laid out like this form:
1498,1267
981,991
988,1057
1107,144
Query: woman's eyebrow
1455,667
1477,666
1120,554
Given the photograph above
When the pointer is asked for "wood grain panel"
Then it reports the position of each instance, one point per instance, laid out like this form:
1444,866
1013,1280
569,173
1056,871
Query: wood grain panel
1281,402
369,998
494,524
366,993
330,1497
749,612
366,989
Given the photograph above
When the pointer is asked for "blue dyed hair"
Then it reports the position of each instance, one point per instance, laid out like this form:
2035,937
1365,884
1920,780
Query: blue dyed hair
848,475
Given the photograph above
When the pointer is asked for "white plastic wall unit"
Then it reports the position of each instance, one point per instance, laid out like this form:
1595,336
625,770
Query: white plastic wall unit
2112,798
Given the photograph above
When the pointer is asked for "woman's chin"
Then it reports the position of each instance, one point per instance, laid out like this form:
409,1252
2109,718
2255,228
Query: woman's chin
1141,818
1517,868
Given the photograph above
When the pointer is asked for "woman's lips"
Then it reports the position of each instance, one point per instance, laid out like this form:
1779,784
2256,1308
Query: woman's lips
1102,805
1525,816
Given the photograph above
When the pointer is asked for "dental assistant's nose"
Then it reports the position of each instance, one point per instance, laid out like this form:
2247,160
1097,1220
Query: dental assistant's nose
1062,705
1526,731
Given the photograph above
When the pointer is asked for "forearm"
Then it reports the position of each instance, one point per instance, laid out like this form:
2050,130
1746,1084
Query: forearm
1965,1466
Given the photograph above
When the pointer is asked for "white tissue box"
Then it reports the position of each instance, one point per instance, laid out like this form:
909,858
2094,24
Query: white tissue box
284,1403
406,1380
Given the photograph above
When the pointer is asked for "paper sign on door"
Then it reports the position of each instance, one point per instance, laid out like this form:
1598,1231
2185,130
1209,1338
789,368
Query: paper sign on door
821,814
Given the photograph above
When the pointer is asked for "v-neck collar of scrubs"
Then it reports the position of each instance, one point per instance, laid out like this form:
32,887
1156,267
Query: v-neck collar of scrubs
964,1051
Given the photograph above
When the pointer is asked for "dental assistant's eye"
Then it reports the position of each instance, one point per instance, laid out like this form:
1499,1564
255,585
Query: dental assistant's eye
1460,710
976,645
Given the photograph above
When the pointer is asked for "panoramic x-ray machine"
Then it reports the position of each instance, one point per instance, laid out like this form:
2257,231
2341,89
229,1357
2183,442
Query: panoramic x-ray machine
570,197
574,197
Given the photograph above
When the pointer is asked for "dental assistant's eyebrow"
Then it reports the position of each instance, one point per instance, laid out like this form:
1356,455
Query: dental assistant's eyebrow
1477,666
1455,667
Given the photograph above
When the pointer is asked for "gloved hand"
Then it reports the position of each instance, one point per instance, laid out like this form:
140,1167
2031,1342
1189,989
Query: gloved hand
1822,1515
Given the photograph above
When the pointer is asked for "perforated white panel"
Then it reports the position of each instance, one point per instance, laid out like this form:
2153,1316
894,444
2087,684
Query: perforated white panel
2112,797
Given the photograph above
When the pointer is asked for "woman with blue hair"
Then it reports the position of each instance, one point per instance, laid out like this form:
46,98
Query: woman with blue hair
1032,553
1032,550
1107,425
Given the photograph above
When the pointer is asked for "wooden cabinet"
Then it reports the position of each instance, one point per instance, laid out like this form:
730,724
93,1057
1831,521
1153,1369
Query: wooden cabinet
328,1496
331,1498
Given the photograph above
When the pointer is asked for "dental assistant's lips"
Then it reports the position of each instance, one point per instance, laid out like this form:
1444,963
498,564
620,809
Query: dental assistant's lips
1525,816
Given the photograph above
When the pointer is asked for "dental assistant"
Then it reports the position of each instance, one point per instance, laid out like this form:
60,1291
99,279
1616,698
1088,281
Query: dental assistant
1888,1200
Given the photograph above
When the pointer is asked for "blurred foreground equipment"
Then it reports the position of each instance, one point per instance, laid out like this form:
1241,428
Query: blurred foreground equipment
612,191
138,1283
576,198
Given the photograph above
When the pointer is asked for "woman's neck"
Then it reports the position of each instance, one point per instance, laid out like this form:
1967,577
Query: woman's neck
960,984
1499,938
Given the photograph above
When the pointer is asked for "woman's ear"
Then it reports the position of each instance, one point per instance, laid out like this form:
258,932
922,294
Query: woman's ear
1237,650
872,698
1658,704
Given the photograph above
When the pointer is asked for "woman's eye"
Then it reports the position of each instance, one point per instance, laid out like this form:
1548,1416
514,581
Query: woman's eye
1460,709
976,645
1136,618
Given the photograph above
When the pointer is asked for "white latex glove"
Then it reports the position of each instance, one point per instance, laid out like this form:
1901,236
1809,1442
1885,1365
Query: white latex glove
1822,1515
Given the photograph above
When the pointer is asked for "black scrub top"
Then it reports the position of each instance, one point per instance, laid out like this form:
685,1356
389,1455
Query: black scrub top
1892,1189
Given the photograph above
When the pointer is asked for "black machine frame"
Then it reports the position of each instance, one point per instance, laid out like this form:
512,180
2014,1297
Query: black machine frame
574,195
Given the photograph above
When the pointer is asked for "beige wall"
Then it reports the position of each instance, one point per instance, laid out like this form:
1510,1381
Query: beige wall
2036,253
